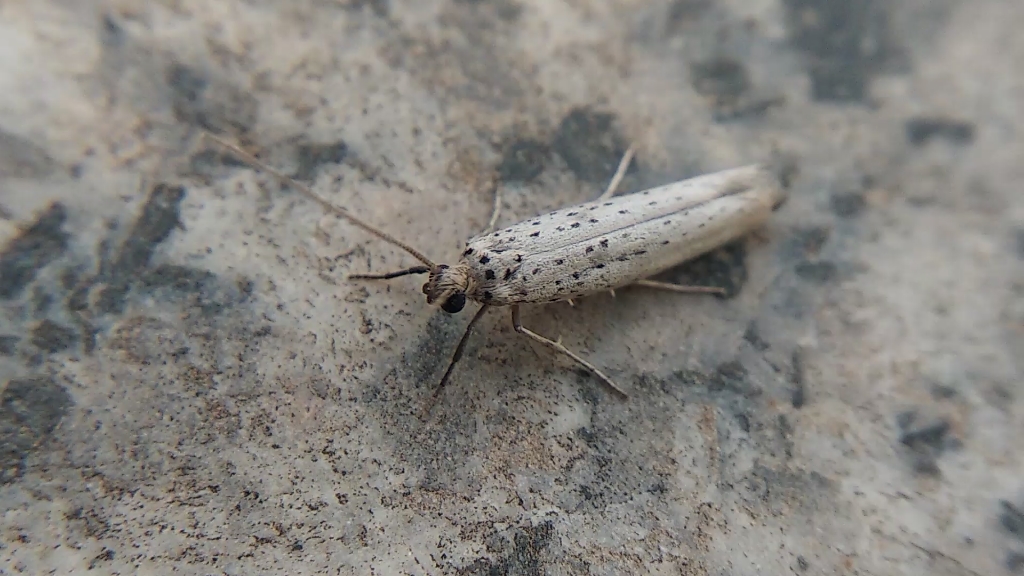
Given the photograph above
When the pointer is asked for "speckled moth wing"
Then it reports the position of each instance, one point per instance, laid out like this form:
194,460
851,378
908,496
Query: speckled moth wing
608,244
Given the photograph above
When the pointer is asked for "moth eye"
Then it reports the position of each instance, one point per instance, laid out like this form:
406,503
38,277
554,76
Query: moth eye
455,303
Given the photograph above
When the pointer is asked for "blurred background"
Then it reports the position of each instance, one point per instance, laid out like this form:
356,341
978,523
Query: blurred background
189,384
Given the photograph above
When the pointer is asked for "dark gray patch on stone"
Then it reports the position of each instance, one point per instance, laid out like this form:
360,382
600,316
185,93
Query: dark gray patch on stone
105,556
41,243
30,410
904,419
437,343
726,83
924,442
112,35
809,241
69,278
129,267
522,161
1012,519
88,333
180,278
200,287
1015,561
520,552
312,156
777,490
746,108
379,8
932,435
785,429
8,344
942,391
732,377
209,103
1019,240
818,272
507,10
724,268
923,129
188,85
799,397
753,336
20,157
786,167
206,162
245,286
848,204
41,300
682,12
52,337
724,79
591,145
158,217
846,44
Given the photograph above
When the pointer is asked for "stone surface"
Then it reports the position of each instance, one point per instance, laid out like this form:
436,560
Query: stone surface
191,385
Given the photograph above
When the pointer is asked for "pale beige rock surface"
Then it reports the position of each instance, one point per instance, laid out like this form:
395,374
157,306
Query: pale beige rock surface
190,385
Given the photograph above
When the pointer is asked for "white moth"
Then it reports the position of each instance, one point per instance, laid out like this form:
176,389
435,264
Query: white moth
598,246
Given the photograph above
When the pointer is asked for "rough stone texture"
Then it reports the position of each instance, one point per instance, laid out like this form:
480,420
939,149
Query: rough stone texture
220,400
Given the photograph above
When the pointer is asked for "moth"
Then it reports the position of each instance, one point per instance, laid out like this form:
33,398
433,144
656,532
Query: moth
599,246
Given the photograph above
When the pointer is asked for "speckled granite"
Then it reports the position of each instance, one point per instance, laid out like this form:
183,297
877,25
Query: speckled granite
190,385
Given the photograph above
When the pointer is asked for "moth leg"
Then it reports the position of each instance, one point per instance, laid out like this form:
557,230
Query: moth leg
558,347
455,358
682,288
390,275
496,210
620,173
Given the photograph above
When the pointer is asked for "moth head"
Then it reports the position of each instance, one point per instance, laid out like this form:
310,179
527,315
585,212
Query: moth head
448,285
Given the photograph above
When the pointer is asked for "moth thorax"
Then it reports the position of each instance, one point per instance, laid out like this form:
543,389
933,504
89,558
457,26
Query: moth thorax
448,285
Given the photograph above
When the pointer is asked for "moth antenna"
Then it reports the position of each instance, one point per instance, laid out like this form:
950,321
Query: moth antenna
323,202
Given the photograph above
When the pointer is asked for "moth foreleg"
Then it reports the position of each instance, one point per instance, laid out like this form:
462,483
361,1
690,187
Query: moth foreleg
455,358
